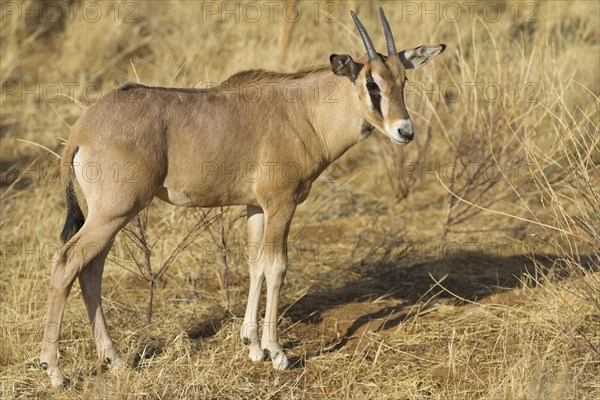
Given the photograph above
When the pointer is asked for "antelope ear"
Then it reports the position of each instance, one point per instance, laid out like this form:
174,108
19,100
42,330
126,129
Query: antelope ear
419,56
344,65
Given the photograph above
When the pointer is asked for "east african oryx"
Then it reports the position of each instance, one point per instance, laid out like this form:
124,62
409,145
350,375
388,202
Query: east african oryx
169,134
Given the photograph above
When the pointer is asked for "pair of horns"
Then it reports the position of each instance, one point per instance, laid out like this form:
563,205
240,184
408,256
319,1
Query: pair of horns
389,39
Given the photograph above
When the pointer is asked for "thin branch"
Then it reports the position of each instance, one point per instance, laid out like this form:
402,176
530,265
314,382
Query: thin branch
40,146
500,212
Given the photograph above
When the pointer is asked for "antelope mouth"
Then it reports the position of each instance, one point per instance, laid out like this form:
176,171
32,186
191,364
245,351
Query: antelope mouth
400,141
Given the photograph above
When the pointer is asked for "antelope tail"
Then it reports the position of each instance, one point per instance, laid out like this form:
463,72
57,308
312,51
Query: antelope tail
75,218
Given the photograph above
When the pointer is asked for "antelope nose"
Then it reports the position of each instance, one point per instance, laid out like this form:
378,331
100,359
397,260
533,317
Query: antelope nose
405,129
408,134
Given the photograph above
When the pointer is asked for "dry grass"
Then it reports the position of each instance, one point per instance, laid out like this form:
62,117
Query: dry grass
396,289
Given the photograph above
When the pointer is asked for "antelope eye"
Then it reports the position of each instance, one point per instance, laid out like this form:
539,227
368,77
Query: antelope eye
372,87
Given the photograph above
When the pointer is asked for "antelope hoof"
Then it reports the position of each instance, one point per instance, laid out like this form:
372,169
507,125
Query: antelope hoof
112,359
116,366
280,360
57,380
256,353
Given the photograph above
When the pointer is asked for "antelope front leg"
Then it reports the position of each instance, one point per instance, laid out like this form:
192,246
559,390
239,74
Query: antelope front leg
275,274
274,261
256,221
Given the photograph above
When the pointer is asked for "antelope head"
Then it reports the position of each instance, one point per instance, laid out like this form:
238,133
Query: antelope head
379,82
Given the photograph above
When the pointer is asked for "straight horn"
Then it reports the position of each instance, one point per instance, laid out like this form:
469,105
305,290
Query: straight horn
389,38
365,37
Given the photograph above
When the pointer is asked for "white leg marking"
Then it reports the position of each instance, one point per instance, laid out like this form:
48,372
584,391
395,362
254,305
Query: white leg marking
275,274
249,333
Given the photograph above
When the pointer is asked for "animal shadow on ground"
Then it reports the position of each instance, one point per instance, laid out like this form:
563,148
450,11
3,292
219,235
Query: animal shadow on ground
399,280
404,283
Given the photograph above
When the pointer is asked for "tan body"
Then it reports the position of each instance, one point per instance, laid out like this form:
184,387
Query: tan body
207,148
189,155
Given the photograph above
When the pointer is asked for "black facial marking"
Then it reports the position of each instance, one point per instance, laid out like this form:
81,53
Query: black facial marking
372,87
374,94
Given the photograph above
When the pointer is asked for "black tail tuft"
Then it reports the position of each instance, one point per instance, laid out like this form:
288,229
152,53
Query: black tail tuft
75,218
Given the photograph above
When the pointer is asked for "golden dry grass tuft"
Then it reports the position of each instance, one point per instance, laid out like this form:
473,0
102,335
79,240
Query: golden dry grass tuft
464,266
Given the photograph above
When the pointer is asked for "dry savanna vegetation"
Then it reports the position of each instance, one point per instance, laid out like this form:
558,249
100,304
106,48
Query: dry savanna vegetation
463,266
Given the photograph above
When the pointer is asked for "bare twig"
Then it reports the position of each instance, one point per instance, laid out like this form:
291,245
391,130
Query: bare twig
137,233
